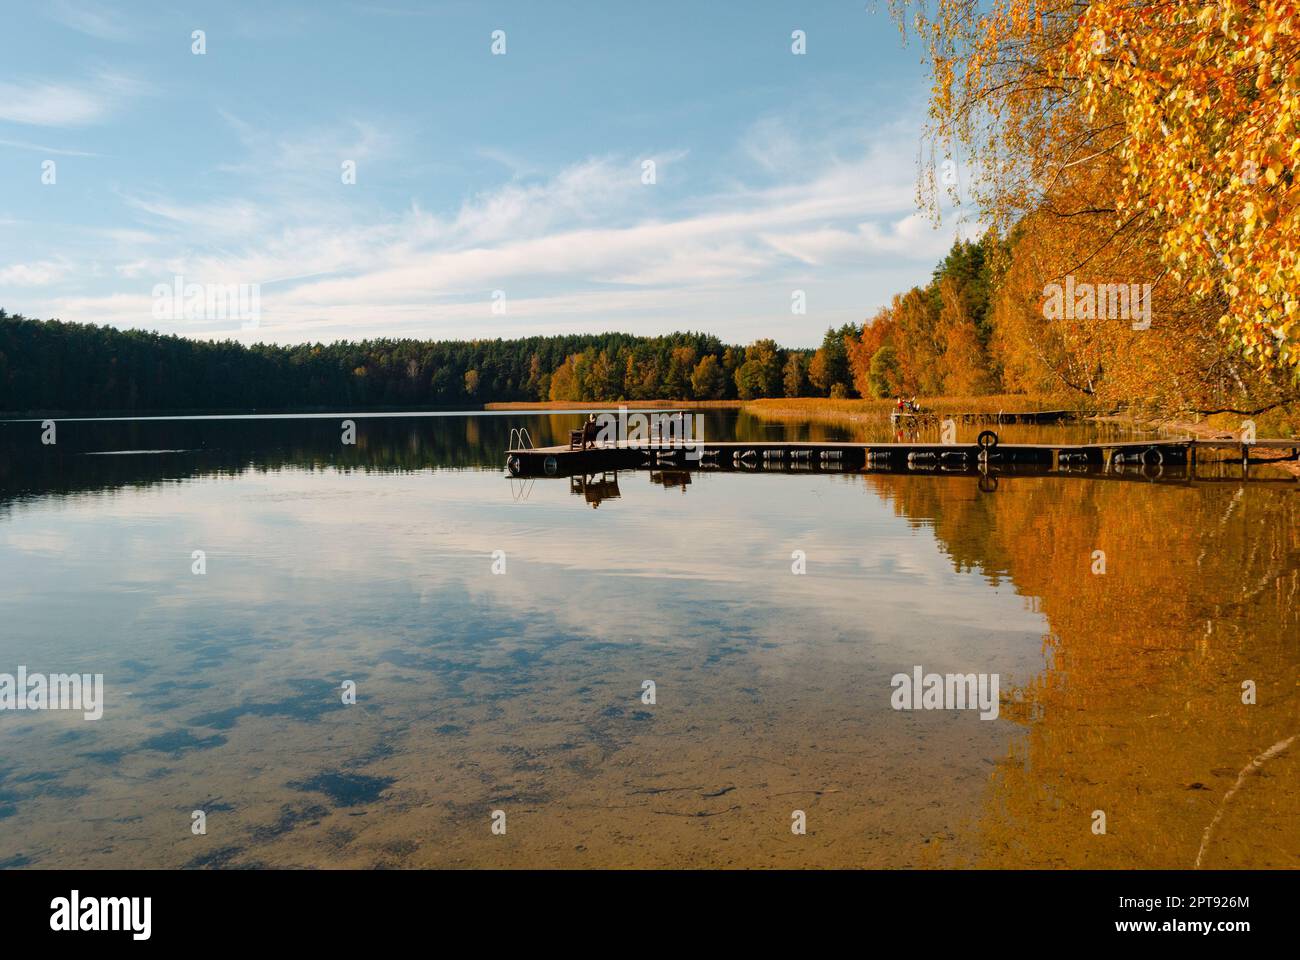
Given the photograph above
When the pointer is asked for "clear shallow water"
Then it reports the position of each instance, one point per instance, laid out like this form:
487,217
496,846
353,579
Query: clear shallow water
521,692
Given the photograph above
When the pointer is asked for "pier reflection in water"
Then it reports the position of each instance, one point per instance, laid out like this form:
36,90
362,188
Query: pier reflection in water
1121,692
595,488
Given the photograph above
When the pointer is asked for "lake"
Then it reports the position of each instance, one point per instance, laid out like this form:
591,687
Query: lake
497,636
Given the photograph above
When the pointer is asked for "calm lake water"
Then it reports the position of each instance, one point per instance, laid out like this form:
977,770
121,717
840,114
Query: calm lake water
521,692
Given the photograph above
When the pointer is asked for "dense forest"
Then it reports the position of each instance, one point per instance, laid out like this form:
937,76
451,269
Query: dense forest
55,366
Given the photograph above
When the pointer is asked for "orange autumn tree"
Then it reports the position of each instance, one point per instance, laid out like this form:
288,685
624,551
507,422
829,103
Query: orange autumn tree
932,340
876,334
964,366
1101,124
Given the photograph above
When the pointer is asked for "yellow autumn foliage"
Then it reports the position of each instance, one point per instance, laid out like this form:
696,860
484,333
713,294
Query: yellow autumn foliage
1167,132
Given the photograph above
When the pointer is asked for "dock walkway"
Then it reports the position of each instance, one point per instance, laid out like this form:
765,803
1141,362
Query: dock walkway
829,456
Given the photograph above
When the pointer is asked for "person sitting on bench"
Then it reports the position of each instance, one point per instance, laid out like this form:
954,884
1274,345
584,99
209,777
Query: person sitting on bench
589,431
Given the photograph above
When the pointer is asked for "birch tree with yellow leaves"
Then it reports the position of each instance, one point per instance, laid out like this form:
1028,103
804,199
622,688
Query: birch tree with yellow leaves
1134,142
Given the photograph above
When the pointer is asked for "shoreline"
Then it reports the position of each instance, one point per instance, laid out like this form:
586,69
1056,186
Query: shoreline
805,406
584,405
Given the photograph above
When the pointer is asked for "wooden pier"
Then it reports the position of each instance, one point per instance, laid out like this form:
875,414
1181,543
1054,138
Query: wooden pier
833,457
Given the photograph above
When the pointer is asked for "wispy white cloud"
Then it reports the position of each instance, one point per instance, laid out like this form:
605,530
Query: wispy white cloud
911,236
234,218
590,247
771,145
94,19
36,274
48,104
40,148
273,154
